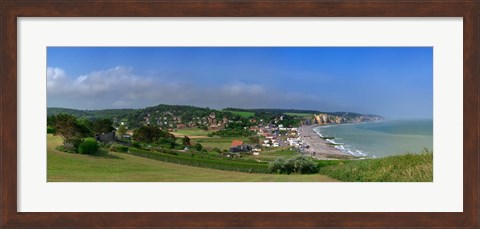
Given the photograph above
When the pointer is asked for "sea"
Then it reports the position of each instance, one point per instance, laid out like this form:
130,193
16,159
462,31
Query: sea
380,138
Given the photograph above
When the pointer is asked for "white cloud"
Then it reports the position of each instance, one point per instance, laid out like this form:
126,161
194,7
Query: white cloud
55,76
119,87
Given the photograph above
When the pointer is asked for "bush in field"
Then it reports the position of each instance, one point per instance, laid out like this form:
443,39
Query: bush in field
66,150
88,146
117,148
136,145
277,166
298,164
304,165
198,147
217,150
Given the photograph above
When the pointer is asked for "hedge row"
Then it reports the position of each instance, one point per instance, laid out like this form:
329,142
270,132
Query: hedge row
220,164
299,164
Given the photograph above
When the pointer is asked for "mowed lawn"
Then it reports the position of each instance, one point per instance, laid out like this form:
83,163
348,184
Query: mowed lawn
191,132
117,167
273,153
200,136
222,143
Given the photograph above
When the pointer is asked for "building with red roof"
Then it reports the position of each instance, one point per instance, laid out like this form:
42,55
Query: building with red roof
238,146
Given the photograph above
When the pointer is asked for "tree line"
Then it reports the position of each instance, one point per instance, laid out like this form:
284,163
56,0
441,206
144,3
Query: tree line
77,134
156,136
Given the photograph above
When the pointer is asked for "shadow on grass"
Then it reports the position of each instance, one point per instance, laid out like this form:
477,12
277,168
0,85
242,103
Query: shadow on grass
104,154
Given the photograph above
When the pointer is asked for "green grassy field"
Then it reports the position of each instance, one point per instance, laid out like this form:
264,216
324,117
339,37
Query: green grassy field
222,143
119,167
192,132
245,114
203,160
272,154
401,168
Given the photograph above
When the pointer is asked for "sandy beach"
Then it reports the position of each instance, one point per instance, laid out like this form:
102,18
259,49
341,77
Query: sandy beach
318,147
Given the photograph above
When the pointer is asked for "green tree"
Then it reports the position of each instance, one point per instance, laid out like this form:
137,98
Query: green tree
70,130
51,120
198,147
100,126
298,164
186,141
122,130
147,134
150,134
254,139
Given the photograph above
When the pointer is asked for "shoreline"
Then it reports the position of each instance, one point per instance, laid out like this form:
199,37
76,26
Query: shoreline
319,148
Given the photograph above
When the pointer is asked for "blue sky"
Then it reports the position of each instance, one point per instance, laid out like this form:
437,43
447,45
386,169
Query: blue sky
393,82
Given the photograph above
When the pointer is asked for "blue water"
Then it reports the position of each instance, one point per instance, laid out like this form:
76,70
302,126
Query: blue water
380,139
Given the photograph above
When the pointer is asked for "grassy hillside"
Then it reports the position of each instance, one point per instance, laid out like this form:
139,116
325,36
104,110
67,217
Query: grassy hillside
90,114
402,168
118,167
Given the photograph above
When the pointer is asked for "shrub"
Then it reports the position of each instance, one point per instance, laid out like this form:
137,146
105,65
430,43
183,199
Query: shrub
304,165
50,130
167,151
71,145
277,166
198,147
298,164
136,145
88,146
117,148
66,150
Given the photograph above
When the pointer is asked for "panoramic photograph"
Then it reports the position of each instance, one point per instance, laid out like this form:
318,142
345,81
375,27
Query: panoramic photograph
239,114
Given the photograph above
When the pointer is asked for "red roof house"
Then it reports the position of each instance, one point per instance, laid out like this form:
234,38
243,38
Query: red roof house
236,143
238,146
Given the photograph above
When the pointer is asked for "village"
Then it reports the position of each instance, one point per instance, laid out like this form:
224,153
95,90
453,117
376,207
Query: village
269,133
228,133
247,135
271,136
